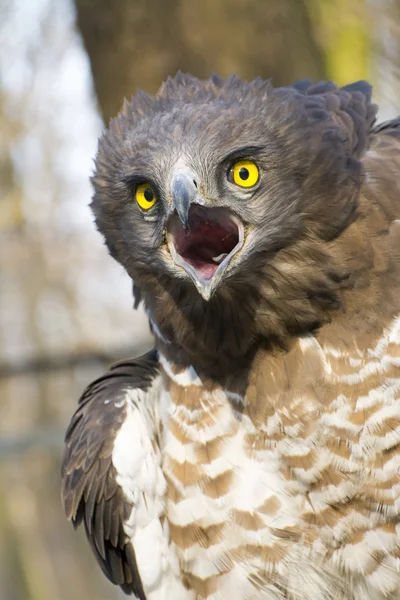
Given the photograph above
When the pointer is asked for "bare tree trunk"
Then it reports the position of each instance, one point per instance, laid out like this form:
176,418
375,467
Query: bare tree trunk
137,43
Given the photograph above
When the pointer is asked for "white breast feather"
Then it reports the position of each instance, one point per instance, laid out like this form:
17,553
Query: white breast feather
138,464
304,574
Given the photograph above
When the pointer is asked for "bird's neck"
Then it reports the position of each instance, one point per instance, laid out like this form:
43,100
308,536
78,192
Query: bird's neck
221,345
266,309
283,297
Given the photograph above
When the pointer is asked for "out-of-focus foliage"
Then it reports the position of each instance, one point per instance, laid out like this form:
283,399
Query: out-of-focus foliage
344,32
60,294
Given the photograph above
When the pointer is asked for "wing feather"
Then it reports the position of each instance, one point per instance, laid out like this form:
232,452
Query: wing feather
382,164
391,127
90,489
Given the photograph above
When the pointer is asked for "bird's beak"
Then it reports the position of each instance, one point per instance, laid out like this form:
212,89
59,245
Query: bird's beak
201,239
183,192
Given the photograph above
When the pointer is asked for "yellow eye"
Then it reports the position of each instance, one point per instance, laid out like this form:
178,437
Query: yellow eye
245,173
145,196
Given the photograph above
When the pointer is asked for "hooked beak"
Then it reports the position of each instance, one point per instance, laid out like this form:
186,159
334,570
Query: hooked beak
183,192
201,239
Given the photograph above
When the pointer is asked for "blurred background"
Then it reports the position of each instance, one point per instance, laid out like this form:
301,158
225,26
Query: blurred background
65,307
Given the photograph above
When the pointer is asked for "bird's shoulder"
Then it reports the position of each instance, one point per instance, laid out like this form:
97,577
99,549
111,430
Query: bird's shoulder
384,144
382,166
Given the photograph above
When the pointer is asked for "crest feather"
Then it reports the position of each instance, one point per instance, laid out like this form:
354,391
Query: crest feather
184,87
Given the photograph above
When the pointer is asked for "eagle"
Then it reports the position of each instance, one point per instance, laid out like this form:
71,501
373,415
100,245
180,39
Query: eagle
254,453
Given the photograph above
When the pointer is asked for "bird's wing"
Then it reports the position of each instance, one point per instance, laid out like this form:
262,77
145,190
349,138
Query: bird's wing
391,127
382,163
112,479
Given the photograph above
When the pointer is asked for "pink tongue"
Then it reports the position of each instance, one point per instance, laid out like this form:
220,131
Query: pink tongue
200,257
206,270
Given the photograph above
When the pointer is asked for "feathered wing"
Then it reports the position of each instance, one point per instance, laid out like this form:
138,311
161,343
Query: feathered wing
382,164
112,480
391,127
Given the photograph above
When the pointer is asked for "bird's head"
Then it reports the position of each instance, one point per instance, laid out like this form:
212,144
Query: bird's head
201,186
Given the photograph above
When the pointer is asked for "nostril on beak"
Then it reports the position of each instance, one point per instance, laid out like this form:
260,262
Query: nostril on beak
195,183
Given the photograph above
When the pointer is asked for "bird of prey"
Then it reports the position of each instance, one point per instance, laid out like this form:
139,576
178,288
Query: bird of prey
255,452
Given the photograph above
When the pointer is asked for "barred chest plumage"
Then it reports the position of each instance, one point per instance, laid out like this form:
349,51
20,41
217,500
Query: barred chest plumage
290,491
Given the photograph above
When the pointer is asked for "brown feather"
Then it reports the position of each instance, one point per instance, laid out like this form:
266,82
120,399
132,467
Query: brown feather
89,488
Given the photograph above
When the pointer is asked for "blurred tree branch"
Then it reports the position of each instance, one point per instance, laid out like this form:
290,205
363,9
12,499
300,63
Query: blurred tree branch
136,44
44,364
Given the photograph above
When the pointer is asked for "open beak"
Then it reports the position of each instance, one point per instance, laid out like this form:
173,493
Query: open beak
201,239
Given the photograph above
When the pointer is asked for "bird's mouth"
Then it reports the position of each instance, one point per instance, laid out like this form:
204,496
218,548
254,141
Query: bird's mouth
205,249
